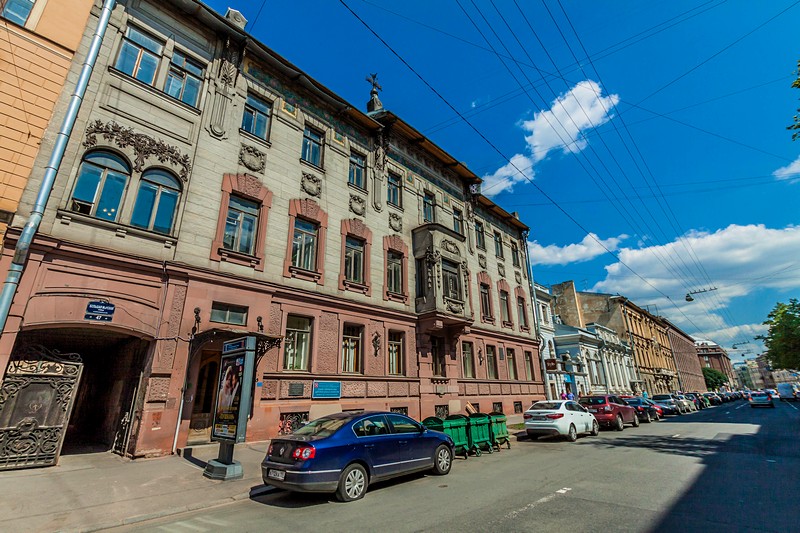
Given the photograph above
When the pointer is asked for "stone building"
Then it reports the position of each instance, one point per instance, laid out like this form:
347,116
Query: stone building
577,356
37,43
646,334
616,362
712,355
212,190
547,332
690,374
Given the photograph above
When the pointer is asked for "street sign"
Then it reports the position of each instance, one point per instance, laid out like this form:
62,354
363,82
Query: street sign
551,365
102,311
326,390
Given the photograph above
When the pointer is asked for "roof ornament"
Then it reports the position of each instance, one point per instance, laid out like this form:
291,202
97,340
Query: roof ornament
374,103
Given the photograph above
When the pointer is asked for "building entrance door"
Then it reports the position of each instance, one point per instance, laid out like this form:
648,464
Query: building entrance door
36,400
204,398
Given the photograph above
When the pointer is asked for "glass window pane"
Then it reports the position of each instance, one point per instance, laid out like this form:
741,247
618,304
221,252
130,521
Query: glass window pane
247,120
165,212
17,11
139,37
143,209
231,228
174,84
88,180
108,160
162,178
108,206
247,238
126,61
191,94
309,253
147,68
261,126
243,205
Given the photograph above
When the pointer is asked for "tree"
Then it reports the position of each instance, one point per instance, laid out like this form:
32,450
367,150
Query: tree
783,339
796,125
714,378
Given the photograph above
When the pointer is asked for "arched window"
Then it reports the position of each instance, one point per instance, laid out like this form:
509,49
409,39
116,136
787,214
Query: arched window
101,184
156,201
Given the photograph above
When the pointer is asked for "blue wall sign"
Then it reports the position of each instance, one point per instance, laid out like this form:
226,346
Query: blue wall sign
234,345
103,311
327,390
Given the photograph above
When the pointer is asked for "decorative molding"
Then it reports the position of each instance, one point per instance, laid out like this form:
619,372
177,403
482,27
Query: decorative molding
311,184
432,258
252,158
358,205
248,185
518,277
482,260
450,247
227,73
143,146
455,307
395,222
501,269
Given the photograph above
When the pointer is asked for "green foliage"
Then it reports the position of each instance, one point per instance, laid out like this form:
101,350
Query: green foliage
714,378
796,125
783,339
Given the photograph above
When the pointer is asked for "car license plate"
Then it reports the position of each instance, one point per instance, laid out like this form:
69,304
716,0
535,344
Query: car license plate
592,410
276,474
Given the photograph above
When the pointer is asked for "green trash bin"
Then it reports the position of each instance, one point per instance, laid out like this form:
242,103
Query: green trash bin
480,437
499,430
457,427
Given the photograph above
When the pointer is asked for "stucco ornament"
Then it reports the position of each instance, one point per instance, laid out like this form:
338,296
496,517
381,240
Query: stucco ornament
482,260
450,246
432,259
143,146
358,205
395,222
518,278
501,269
376,343
311,184
455,307
252,158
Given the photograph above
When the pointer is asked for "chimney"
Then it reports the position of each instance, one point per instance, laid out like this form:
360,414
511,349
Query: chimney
235,18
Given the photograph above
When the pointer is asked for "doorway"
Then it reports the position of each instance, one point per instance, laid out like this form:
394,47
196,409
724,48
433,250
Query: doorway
204,398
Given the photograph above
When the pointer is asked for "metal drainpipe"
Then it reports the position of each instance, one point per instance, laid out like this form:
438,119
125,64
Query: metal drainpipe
535,302
34,220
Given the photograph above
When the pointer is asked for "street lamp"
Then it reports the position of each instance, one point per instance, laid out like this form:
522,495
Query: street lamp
689,294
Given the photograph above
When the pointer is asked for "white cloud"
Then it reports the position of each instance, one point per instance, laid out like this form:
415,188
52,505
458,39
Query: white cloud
560,127
739,260
790,172
590,247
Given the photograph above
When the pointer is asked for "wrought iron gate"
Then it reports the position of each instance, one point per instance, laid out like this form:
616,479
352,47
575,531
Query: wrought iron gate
36,400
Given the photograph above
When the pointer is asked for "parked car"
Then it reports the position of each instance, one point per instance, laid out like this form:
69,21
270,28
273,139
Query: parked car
684,405
669,406
688,404
788,391
657,407
645,411
773,393
346,452
559,417
761,398
610,411
698,402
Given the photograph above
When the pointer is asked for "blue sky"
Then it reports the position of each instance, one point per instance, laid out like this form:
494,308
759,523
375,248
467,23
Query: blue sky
644,143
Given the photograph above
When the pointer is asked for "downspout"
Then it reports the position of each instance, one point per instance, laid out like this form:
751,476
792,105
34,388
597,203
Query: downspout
535,302
34,220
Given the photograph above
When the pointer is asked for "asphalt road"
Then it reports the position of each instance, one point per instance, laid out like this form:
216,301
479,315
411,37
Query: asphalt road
729,468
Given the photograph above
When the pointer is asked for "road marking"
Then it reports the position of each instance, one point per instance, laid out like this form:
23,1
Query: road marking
792,406
514,514
771,461
676,435
743,405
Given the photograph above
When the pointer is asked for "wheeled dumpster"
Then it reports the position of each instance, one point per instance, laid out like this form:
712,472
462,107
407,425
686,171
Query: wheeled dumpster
499,430
455,426
480,436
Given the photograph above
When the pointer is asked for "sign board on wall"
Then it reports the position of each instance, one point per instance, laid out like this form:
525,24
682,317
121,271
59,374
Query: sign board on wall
551,365
327,390
102,311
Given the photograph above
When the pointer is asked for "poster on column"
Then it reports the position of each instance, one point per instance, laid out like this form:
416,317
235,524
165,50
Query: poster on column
229,395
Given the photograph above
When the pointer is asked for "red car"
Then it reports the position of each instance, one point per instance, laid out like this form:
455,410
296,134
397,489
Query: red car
610,411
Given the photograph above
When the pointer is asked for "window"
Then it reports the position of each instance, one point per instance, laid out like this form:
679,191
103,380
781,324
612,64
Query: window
241,225
354,260
467,360
437,356
394,194
357,170
184,79
420,279
491,363
451,280
370,427
429,207
504,310
228,314
17,11
304,245
402,424
256,117
396,366
515,254
139,55
312,147
352,348
545,314
486,302
480,235
101,182
394,272
297,344
529,366
458,221
156,202
498,244
523,316
512,364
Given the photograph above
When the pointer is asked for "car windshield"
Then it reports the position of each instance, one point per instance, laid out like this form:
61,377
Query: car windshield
758,394
662,397
593,400
634,401
545,406
322,427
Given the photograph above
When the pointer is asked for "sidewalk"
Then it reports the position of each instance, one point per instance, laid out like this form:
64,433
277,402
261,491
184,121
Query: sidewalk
96,491
101,490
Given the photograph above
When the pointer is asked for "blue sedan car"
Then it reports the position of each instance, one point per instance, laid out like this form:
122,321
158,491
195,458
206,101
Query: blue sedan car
345,452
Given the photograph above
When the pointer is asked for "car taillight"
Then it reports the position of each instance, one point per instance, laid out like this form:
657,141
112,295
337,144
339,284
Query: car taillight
555,416
608,408
640,408
527,416
304,452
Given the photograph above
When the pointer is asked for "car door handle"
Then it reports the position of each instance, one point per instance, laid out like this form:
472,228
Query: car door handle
369,446
402,442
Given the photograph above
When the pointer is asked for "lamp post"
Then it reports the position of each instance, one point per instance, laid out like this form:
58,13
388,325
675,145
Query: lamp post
689,294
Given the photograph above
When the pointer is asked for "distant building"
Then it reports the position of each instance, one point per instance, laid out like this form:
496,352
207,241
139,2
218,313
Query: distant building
616,362
546,321
712,355
743,374
690,374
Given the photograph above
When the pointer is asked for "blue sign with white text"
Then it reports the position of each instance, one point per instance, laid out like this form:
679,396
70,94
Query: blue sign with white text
103,311
327,390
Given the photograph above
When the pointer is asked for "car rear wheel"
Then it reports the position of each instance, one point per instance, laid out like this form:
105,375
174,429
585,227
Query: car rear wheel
620,424
442,461
635,420
595,428
352,483
572,435
648,419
